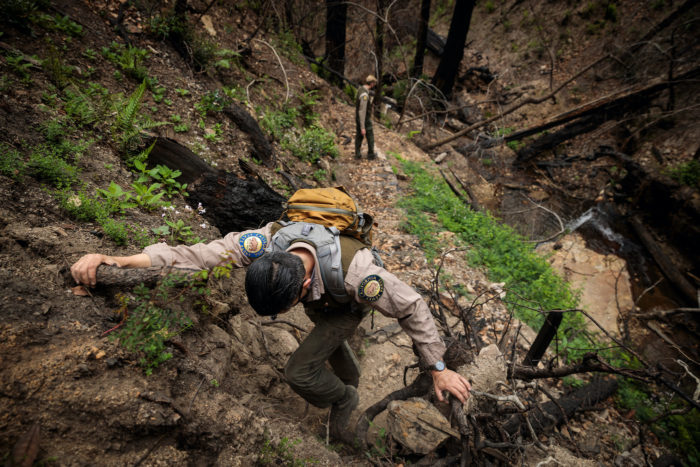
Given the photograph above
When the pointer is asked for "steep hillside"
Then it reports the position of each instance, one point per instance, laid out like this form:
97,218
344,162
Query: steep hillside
85,85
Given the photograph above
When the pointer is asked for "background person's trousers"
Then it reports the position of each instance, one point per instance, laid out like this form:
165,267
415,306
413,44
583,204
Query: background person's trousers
306,370
369,130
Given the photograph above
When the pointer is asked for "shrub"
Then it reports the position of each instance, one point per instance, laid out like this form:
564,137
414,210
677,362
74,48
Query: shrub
11,162
687,173
46,163
312,144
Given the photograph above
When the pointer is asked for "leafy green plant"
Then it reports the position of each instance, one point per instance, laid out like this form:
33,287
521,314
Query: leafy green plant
116,196
60,23
276,122
282,453
128,125
129,60
212,101
491,245
149,320
148,196
47,163
320,175
215,134
312,144
182,128
165,176
178,231
182,92
20,66
226,58
687,173
11,162
309,100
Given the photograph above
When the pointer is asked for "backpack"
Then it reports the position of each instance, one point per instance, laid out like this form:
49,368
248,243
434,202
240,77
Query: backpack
331,207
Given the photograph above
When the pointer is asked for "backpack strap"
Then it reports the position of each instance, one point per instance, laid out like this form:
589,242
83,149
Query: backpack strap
326,242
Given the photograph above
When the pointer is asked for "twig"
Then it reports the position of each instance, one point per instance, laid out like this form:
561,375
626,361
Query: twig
668,340
562,229
150,450
286,81
511,398
189,407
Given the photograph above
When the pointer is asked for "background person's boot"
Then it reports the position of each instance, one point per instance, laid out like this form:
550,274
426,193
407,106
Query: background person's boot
340,416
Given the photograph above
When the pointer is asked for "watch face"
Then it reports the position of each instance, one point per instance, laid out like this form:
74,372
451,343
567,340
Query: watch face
439,366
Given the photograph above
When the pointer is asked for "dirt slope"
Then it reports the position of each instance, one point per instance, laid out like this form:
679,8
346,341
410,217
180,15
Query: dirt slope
221,399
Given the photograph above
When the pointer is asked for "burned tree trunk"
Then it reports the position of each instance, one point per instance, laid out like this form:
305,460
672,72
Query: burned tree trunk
246,122
553,413
421,39
448,68
231,203
336,16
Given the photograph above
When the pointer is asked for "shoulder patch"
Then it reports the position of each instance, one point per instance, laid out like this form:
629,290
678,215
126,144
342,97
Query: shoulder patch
371,288
253,244
364,97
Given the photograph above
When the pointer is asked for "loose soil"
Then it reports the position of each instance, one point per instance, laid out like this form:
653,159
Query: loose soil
222,398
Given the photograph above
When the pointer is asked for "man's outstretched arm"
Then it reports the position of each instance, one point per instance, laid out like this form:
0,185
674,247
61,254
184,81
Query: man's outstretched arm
84,271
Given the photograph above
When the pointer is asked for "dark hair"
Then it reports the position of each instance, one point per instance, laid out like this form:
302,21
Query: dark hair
273,282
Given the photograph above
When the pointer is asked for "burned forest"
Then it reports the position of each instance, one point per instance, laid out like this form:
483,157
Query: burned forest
529,171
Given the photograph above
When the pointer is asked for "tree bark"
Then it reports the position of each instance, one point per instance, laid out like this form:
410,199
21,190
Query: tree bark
262,149
231,203
336,16
550,413
665,264
421,39
446,73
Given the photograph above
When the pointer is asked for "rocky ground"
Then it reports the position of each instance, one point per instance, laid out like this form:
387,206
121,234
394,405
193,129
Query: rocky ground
78,398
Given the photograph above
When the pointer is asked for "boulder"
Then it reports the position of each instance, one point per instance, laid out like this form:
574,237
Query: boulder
603,280
418,425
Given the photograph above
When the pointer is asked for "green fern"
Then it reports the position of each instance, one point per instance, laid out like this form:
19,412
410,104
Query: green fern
124,123
128,127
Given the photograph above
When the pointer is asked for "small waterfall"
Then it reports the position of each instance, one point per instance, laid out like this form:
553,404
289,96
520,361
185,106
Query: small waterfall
598,220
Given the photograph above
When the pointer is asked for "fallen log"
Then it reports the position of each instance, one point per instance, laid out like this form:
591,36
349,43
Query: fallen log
246,122
230,203
676,278
113,276
553,413
592,114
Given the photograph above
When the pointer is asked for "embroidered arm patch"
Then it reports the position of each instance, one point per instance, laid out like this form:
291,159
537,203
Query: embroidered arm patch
253,244
371,288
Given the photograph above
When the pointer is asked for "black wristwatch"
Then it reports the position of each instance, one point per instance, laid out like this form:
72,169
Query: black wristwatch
438,366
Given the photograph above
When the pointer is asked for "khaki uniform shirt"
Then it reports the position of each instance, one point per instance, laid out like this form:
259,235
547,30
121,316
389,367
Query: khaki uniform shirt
398,299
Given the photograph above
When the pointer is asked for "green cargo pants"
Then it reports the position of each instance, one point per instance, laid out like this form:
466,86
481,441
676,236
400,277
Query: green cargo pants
306,370
369,134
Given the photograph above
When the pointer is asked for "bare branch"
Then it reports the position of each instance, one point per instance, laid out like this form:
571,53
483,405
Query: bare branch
286,81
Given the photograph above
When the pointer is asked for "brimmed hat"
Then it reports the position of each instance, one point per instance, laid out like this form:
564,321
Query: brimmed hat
370,79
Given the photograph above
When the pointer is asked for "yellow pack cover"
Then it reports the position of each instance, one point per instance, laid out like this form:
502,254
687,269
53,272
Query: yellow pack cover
332,207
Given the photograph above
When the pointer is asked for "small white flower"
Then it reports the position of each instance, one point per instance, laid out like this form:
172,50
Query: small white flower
204,226
162,215
177,212
171,207
199,205
202,211
164,208
187,207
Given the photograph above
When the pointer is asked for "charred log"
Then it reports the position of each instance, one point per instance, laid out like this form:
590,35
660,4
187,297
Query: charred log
553,413
665,264
233,204
246,122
